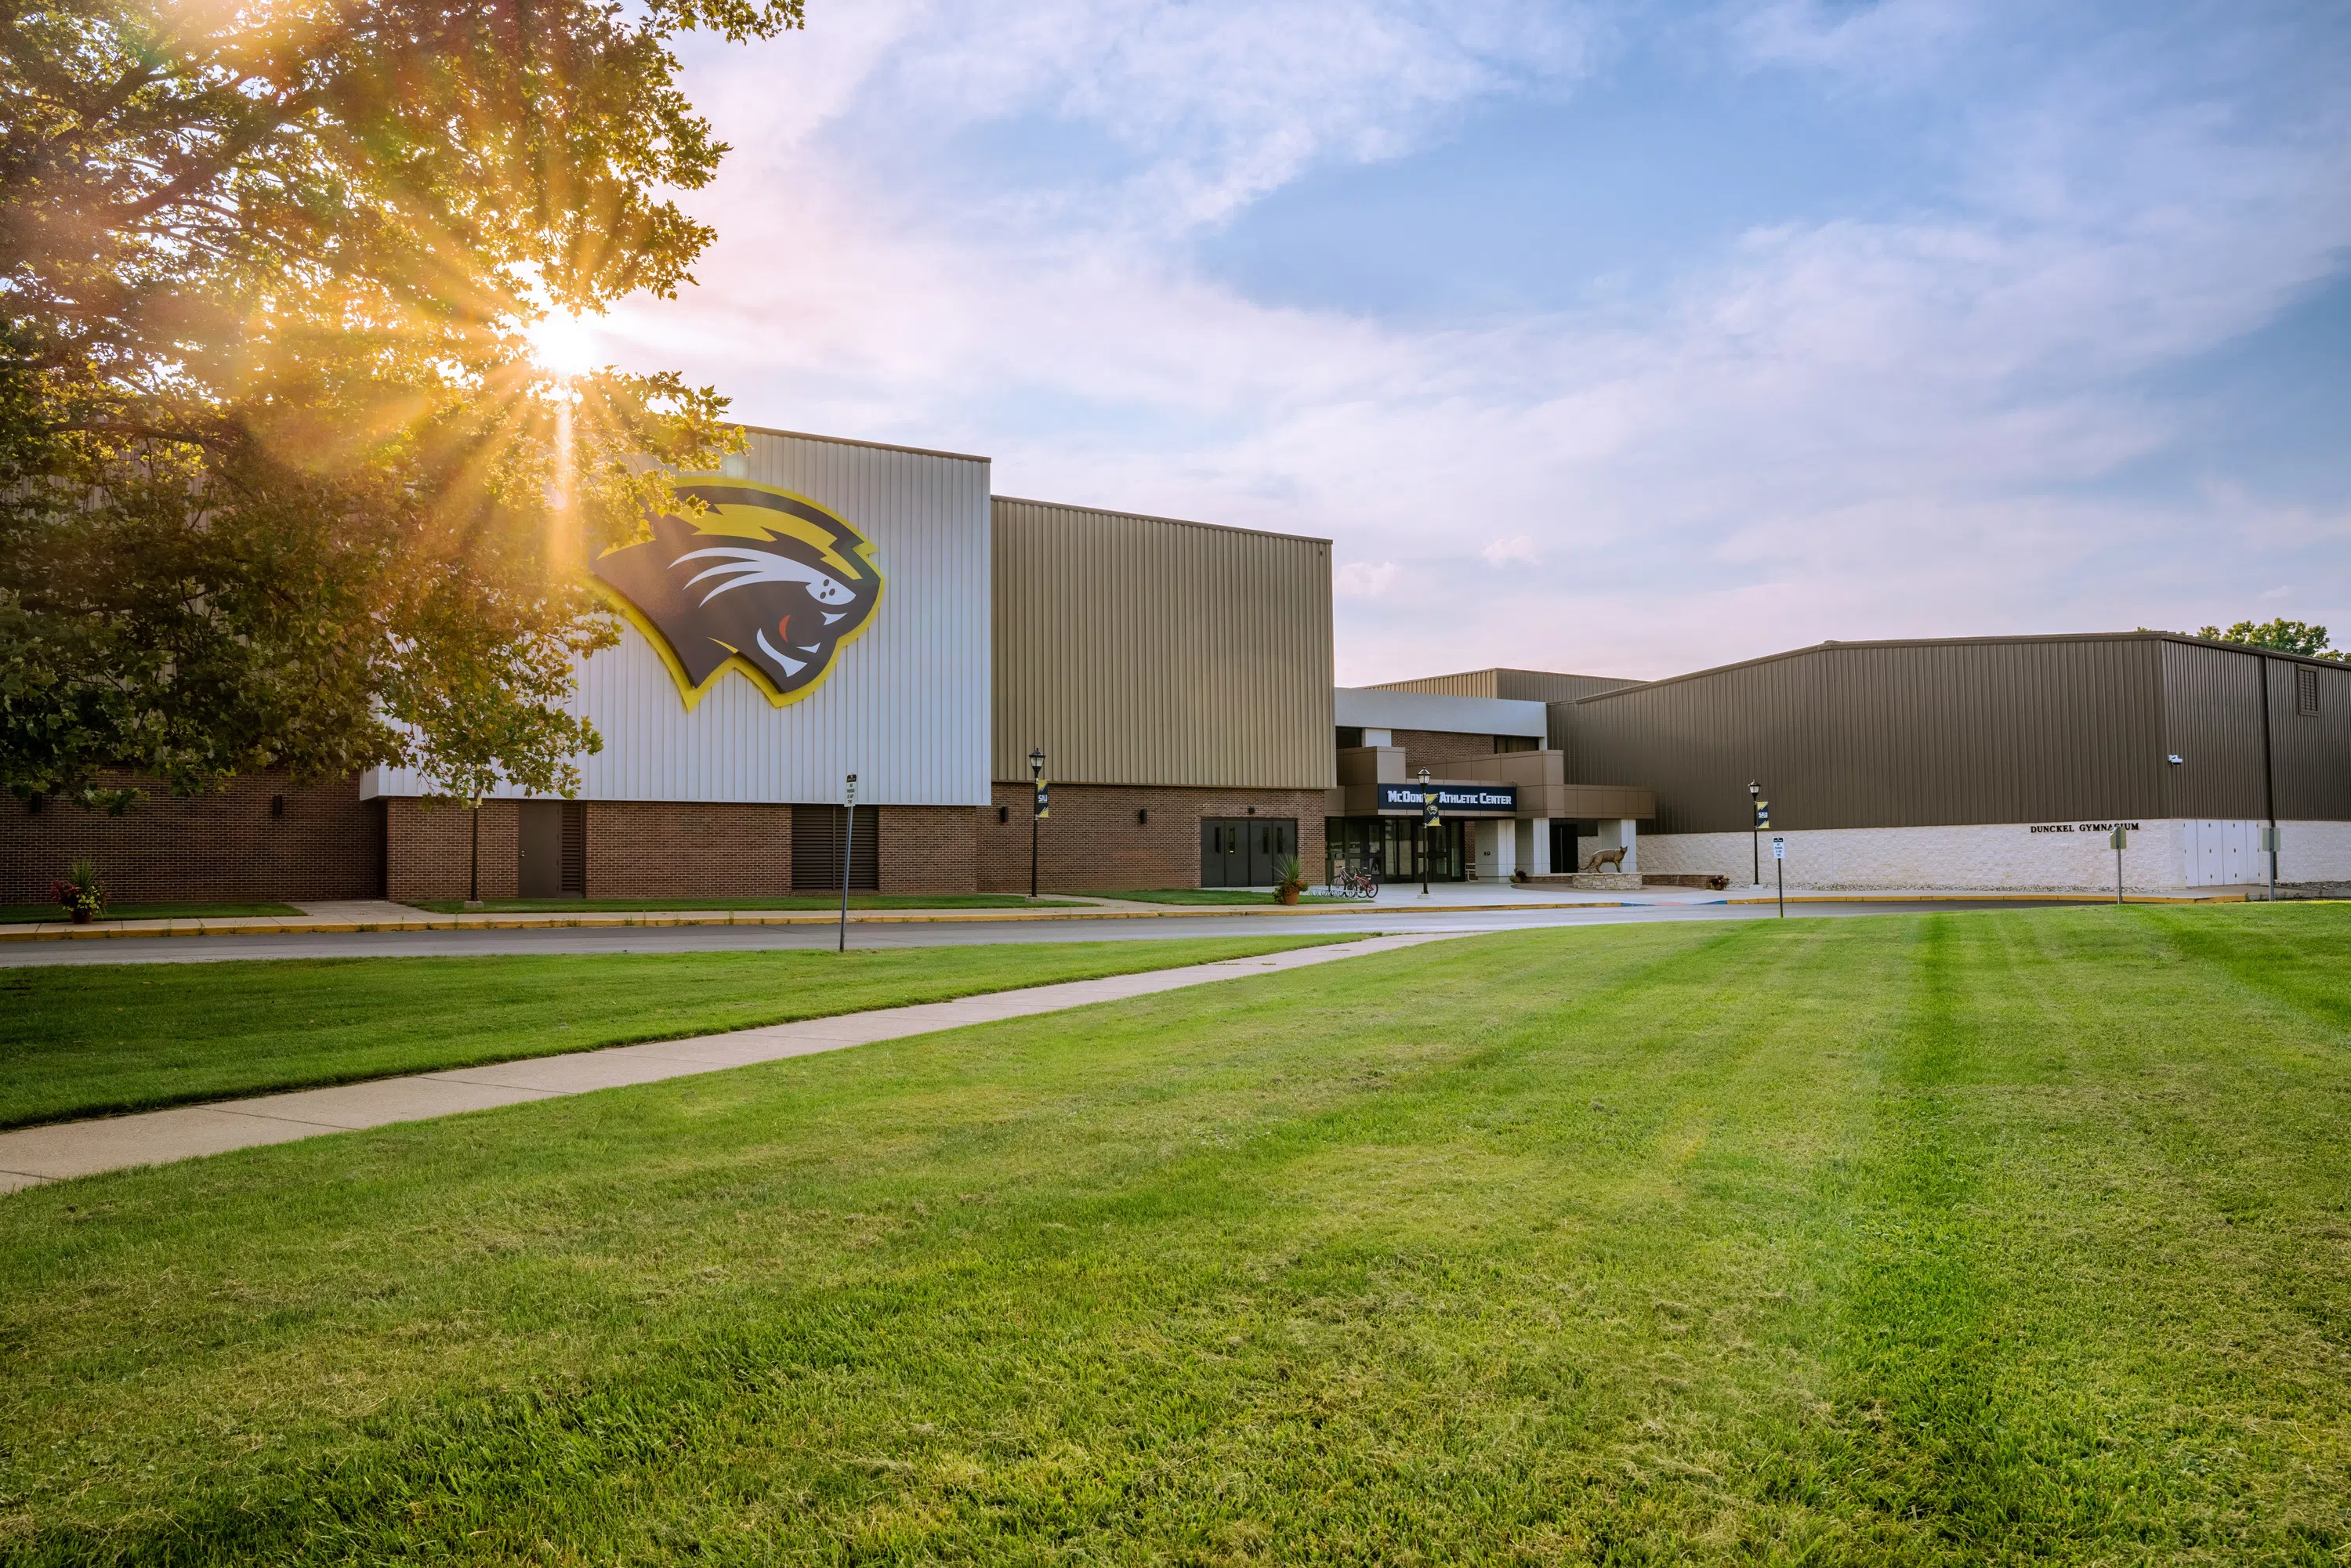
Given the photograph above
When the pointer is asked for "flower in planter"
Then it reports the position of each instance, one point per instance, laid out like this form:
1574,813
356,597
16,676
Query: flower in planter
82,892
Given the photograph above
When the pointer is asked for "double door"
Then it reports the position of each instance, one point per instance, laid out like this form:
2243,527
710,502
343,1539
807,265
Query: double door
1240,851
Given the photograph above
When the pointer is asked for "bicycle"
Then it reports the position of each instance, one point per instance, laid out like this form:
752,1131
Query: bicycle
1350,882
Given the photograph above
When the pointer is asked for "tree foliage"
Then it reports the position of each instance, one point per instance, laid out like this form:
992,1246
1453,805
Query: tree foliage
2281,636
279,484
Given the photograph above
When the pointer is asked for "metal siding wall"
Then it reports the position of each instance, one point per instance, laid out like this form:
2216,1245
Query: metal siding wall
1903,735
2313,753
905,708
1141,650
2212,719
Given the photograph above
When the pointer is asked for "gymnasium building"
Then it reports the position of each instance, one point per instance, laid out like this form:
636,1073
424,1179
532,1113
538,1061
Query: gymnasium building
845,608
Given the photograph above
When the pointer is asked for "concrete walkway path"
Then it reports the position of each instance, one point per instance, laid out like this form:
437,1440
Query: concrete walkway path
31,1156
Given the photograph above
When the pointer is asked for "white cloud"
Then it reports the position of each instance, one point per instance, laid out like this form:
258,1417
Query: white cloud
1845,426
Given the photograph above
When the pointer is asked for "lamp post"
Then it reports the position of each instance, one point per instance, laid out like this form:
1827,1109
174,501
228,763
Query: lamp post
1037,810
1427,820
1755,827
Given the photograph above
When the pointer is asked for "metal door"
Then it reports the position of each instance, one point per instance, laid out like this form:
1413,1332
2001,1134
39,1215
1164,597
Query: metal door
1224,852
1269,839
538,848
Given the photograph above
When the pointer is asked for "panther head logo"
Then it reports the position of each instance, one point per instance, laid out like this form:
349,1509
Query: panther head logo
763,581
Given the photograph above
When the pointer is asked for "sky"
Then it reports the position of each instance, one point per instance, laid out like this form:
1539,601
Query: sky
1619,339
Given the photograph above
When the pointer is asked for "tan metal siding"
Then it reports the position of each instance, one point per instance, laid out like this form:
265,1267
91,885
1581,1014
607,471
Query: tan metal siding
1890,736
1523,685
1144,651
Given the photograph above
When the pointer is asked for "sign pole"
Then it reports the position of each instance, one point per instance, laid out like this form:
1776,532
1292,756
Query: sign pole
1779,869
847,844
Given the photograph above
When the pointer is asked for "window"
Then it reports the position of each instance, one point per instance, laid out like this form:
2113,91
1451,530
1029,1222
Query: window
2305,691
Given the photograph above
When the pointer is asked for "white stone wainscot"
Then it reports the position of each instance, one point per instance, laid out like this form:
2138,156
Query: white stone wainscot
2166,855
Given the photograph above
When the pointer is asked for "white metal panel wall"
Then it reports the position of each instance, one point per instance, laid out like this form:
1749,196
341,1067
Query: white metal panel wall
906,706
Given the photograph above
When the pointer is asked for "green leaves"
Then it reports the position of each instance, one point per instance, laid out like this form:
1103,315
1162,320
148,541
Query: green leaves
279,484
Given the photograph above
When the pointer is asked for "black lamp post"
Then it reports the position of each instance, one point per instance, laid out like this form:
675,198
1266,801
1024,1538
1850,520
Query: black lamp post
1428,818
474,870
1036,810
1755,828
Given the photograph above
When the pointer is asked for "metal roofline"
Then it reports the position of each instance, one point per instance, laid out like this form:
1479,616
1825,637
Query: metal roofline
1149,517
1964,643
851,441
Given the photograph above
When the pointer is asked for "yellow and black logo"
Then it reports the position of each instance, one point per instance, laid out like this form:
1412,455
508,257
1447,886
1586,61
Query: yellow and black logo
765,581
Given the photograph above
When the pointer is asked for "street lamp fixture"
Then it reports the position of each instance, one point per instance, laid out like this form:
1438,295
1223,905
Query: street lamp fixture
1037,809
1428,818
1755,828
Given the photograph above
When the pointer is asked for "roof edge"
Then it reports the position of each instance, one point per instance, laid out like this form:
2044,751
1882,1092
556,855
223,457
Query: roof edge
852,440
2147,636
1154,517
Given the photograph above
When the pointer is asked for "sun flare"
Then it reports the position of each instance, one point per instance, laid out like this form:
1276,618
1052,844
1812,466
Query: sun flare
562,344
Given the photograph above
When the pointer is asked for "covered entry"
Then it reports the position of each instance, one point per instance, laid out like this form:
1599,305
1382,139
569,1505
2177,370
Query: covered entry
1240,851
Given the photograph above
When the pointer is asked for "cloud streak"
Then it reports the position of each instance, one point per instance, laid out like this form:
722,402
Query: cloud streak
977,229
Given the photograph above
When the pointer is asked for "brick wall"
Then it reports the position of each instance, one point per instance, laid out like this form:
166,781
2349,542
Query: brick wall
326,844
685,848
1428,747
427,849
1092,844
929,849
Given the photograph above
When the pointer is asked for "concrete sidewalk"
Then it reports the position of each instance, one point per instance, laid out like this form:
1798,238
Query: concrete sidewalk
376,915
31,1156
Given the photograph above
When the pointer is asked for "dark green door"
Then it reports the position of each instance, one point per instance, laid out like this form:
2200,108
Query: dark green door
1224,852
1271,839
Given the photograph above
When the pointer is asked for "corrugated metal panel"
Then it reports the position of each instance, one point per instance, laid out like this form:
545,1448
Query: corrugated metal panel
2212,722
1892,735
905,708
1144,651
1517,686
2313,750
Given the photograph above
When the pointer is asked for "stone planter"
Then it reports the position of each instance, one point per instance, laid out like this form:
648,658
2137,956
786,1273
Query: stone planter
80,915
1287,895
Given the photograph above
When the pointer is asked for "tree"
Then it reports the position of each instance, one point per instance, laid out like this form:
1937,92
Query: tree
2281,636
279,485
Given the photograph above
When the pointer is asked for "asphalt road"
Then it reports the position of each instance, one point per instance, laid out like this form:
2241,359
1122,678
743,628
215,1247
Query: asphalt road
910,933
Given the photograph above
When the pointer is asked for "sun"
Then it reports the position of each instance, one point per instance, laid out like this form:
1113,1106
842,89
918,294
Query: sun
562,344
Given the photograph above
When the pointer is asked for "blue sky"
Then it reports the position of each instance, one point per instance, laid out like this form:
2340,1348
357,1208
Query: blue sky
1615,338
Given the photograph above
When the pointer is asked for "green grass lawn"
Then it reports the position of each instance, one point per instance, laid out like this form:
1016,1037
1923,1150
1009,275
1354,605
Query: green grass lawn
1216,896
26,913
86,1041
1997,1237
810,901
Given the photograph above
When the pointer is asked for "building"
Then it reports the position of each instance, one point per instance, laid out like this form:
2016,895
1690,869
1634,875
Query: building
845,608
1994,762
841,608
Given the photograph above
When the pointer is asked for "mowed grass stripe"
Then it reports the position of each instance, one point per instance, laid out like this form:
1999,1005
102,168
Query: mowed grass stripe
1801,1242
100,1040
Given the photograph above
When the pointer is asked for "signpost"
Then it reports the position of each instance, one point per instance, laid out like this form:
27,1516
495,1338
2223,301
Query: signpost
2118,837
1780,867
848,840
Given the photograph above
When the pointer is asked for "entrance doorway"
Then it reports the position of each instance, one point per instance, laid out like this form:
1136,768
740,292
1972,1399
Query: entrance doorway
1240,851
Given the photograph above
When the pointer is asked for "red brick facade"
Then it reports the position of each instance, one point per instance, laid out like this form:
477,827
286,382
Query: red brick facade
928,849
428,849
687,849
324,843
1093,843
1429,747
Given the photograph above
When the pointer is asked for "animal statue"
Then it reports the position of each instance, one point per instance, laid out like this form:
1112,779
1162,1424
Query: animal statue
1614,857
